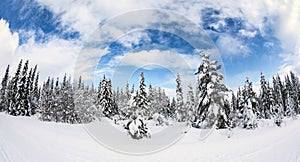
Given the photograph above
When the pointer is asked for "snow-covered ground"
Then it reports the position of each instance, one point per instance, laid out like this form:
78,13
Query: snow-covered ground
27,139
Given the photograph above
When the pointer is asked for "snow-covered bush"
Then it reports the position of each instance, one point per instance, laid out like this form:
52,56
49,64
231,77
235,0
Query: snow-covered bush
137,128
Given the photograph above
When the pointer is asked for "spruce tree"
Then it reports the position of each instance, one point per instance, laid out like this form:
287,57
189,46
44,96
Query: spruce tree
291,99
295,91
12,92
173,108
190,104
105,96
45,102
22,105
211,93
277,109
181,112
141,99
3,90
250,106
152,101
265,103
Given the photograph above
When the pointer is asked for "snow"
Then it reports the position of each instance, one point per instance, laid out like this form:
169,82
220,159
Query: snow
28,139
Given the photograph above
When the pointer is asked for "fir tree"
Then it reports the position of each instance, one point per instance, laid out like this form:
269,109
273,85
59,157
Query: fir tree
181,112
291,99
265,103
3,90
45,102
152,101
141,99
173,108
105,96
12,92
295,91
277,109
211,93
190,104
249,104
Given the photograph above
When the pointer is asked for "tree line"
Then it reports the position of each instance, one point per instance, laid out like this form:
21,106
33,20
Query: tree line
211,104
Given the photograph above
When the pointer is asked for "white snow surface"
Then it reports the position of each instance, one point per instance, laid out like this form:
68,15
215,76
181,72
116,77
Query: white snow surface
28,139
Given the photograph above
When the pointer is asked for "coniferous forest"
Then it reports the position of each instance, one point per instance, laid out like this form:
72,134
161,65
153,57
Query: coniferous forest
211,104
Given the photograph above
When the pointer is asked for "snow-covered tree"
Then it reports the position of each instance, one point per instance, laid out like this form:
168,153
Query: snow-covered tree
105,97
277,109
32,84
250,106
35,95
137,128
46,113
172,108
141,99
295,91
3,90
12,91
265,103
181,112
291,99
153,104
22,104
211,93
190,104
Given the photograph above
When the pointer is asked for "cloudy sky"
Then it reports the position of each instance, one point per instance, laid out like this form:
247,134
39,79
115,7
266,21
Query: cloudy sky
250,36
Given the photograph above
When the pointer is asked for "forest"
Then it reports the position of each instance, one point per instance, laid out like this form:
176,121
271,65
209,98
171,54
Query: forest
211,104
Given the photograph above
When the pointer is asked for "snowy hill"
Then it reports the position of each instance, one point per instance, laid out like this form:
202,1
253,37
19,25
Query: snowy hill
28,139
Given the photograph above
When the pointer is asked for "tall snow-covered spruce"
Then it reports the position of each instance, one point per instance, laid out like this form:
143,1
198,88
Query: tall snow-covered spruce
210,104
105,98
250,106
141,101
181,112
3,90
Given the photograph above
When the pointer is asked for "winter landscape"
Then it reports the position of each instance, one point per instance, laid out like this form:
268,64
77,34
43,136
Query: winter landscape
132,81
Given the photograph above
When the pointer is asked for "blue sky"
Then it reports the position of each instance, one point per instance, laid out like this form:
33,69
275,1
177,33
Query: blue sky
250,38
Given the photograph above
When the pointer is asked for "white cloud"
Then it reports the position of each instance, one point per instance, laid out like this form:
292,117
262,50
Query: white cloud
246,33
168,59
231,46
54,58
8,44
291,63
134,38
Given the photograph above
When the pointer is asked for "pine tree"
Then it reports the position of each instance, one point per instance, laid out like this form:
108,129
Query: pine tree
211,93
105,96
45,102
291,99
283,94
85,99
12,91
265,103
181,112
22,105
141,99
152,101
35,95
3,90
295,91
127,92
190,104
249,104
277,109
173,108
